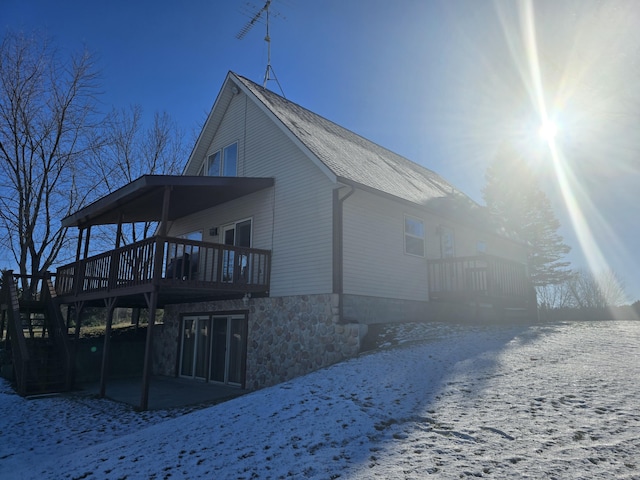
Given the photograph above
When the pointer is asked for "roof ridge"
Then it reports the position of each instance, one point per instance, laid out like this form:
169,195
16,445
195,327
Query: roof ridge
367,140
352,156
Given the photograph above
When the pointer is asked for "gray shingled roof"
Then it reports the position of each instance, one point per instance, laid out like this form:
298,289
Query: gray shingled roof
354,158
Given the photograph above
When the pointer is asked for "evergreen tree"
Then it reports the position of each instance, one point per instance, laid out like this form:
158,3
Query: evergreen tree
514,198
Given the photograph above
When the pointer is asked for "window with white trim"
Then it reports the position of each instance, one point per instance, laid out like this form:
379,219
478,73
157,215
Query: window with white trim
413,236
222,163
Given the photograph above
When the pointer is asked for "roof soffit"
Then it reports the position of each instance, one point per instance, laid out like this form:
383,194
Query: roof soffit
142,199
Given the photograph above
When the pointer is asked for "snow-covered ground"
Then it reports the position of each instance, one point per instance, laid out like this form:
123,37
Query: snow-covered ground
548,401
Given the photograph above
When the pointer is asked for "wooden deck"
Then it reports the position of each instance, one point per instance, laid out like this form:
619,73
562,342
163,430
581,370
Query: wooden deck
479,278
181,270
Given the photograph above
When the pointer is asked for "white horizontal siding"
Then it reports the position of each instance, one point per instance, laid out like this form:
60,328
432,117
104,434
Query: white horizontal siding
302,248
374,260
257,206
293,219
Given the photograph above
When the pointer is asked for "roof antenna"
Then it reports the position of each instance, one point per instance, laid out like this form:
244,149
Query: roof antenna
256,17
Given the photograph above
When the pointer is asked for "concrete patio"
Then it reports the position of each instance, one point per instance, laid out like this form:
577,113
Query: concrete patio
164,392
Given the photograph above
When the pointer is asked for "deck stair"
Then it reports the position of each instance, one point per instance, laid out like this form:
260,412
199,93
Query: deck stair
36,337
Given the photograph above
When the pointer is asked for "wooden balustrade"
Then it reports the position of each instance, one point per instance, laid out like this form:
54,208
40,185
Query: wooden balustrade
478,276
29,298
15,333
168,262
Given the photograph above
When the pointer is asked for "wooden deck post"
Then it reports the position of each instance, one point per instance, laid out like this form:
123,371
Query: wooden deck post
110,303
119,231
86,242
79,246
152,299
166,201
77,314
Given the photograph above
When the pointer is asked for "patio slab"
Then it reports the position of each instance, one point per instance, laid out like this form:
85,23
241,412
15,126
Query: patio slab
164,392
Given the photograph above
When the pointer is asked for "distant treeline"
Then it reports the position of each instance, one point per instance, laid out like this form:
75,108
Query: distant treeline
624,312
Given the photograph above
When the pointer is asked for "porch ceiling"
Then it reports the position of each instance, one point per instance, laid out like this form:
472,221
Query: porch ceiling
141,200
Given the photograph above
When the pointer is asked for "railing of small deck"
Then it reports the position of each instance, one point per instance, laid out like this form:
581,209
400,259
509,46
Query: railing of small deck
483,275
57,327
32,290
172,261
19,350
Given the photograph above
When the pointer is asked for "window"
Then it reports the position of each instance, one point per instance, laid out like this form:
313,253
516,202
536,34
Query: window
223,162
447,242
197,235
230,164
213,168
413,236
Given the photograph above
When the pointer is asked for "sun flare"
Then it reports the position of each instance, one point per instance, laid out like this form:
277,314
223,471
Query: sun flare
583,213
548,130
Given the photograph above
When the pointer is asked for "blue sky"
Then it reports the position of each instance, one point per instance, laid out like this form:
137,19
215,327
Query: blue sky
444,83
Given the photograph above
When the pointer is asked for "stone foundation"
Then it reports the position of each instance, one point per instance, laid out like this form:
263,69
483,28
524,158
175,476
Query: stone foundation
287,336
377,310
291,336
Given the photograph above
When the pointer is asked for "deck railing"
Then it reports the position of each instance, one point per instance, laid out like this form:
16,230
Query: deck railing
479,276
168,261
37,296
15,332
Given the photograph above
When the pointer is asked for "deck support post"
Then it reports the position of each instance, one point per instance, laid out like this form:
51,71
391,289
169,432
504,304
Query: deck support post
110,303
119,231
77,314
86,242
79,246
152,300
166,201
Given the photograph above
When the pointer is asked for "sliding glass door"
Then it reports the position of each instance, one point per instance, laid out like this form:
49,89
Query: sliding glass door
214,348
195,338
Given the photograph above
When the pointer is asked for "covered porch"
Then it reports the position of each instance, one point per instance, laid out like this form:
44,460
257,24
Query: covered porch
159,270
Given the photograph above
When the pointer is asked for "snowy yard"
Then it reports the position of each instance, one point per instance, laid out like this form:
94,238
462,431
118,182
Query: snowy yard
549,401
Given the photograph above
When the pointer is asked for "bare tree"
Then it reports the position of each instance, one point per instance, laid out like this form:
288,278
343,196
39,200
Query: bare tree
555,296
46,114
130,149
599,290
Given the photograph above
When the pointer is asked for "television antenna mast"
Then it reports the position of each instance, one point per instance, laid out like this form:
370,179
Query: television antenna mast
257,17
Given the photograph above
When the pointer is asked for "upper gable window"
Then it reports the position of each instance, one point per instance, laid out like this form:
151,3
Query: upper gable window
213,165
413,236
230,161
223,163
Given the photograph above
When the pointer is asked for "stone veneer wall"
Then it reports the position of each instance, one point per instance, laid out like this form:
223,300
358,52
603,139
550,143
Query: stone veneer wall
287,336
